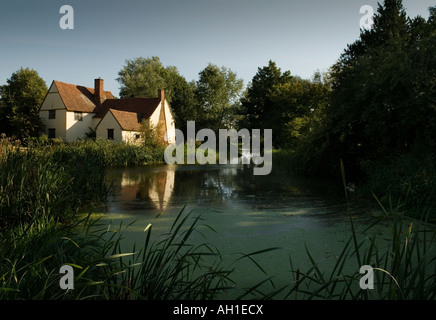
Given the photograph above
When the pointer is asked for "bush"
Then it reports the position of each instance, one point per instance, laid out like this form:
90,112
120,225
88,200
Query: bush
53,181
409,179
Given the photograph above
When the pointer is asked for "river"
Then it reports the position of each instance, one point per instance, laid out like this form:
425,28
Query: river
248,213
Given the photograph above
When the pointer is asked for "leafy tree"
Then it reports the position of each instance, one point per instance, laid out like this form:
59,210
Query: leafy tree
218,94
5,126
257,105
20,101
184,103
281,102
143,77
382,103
304,104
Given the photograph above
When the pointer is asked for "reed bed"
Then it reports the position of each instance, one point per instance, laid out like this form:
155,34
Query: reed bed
43,191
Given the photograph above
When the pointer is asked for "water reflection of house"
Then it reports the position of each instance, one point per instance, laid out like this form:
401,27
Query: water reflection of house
146,189
160,192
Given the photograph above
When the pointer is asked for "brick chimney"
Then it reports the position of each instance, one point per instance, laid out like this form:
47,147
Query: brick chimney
161,95
162,120
98,91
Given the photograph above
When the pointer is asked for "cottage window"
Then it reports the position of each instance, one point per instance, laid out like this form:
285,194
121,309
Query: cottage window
51,133
110,134
52,114
78,116
137,136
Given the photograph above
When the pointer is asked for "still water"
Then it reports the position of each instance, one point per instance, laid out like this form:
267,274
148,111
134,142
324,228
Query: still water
247,212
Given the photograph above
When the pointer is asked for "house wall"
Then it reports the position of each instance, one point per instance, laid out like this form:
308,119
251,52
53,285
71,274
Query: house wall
95,122
53,101
171,124
154,118
109,122
77,129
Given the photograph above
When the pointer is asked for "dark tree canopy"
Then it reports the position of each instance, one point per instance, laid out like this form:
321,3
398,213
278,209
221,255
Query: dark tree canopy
382,105
20,101
278,101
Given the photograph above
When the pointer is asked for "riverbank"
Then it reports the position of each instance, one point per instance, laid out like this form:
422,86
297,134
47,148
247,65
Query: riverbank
407,182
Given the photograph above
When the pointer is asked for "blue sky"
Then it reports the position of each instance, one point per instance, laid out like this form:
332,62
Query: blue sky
243,35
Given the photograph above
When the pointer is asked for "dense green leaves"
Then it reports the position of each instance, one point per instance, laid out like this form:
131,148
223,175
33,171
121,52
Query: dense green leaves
20,101
381,110
212,101
257,102
284,103
381,99
374,111
143,77
218,93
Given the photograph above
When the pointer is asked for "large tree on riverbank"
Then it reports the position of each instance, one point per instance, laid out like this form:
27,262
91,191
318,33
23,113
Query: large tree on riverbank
257,103
218,94
20,101
380,119
281,102
383,91
143,77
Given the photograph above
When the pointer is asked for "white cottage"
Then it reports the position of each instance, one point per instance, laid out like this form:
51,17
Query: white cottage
70,111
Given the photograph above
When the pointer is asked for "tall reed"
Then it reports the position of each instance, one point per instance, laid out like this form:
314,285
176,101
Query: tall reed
170,268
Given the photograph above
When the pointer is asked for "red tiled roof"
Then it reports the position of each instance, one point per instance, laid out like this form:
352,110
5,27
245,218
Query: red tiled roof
129,112
143,106
129,121
78,98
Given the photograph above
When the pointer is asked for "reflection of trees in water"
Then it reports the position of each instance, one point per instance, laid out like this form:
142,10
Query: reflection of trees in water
155,188
219,184
223,184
